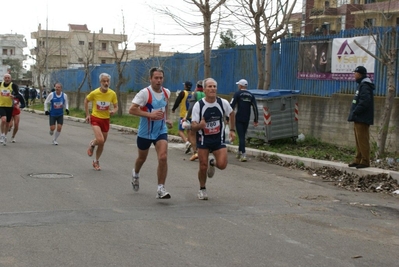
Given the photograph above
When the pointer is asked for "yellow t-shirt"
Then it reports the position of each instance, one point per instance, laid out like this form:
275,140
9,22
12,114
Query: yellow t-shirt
183,104
101,102
5,95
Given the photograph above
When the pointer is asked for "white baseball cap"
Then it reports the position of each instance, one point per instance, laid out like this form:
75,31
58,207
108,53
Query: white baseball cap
242,82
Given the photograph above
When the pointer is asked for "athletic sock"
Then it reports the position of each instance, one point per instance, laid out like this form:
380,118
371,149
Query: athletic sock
56,135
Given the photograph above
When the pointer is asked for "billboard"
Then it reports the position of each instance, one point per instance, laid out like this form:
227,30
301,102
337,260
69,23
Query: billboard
335,59
314,60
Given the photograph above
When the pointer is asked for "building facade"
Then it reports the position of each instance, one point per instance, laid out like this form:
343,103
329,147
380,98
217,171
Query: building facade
11,47
79,47
74,48
324,17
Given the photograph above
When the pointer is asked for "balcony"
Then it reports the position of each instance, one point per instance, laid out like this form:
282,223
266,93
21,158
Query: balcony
323,12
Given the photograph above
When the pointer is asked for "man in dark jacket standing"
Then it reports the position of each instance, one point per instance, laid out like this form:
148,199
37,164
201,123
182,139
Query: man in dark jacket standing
362,114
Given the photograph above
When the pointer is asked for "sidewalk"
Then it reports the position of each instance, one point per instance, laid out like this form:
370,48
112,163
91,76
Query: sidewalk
308,162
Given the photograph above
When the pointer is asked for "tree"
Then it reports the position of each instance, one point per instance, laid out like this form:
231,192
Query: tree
273,31
271,27
88,57
227,40
121,57
207,8
15,67
252,17
387,43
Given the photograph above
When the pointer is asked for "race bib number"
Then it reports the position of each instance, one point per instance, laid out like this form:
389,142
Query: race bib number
212,127
5,93
57,105
101,105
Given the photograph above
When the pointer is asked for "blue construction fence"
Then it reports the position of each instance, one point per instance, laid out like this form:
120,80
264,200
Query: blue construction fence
230,65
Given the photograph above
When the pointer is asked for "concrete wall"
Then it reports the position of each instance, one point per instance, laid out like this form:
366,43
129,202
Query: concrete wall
326,118
322,117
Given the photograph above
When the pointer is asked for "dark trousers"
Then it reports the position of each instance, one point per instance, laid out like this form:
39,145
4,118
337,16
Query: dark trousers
362,137
241,128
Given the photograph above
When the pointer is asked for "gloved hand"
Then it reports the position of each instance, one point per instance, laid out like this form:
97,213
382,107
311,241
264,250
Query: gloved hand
47,113
67,111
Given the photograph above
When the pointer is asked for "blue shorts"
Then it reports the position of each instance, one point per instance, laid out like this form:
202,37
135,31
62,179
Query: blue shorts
144,144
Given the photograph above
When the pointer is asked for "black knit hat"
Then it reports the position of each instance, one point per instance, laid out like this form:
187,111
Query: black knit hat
360,69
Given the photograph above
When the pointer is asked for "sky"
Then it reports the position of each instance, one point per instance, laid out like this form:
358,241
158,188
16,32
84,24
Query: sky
142,23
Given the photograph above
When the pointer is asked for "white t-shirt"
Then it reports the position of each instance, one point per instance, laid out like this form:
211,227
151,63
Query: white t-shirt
141,98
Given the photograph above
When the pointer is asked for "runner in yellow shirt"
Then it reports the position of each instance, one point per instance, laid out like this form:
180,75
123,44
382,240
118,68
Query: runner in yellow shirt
102,99
7,90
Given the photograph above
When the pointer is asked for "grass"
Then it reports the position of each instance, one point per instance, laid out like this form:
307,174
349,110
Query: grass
124,120
309,148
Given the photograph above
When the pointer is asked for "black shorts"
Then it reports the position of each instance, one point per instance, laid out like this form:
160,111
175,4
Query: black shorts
144,144
211,146
58,119
6,112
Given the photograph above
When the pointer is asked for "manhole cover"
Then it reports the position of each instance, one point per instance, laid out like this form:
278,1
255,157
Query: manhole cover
50,175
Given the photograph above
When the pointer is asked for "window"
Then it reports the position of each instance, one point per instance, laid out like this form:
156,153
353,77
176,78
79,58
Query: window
12,52
90,45
80,59
369,23
327,4
369,1
103,61
4,51
397,21
104,46
81,42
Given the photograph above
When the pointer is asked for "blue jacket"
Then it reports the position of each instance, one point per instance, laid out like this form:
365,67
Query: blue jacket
362,109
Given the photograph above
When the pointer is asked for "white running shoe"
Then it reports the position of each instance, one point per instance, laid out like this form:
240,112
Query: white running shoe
55,143
51,132
5,141
13,140
162,193
135,182
243,159
202,195
211,167
2,139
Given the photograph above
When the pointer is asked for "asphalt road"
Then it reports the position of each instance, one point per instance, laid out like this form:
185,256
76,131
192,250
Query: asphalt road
57,211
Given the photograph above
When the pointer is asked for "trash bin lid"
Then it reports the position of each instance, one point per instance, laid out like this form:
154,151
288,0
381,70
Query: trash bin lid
259,93
288,92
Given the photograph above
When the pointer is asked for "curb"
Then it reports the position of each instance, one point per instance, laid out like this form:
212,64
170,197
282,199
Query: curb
315,163
308,162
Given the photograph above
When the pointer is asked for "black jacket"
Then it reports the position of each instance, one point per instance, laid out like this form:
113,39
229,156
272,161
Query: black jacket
244,99
362,109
